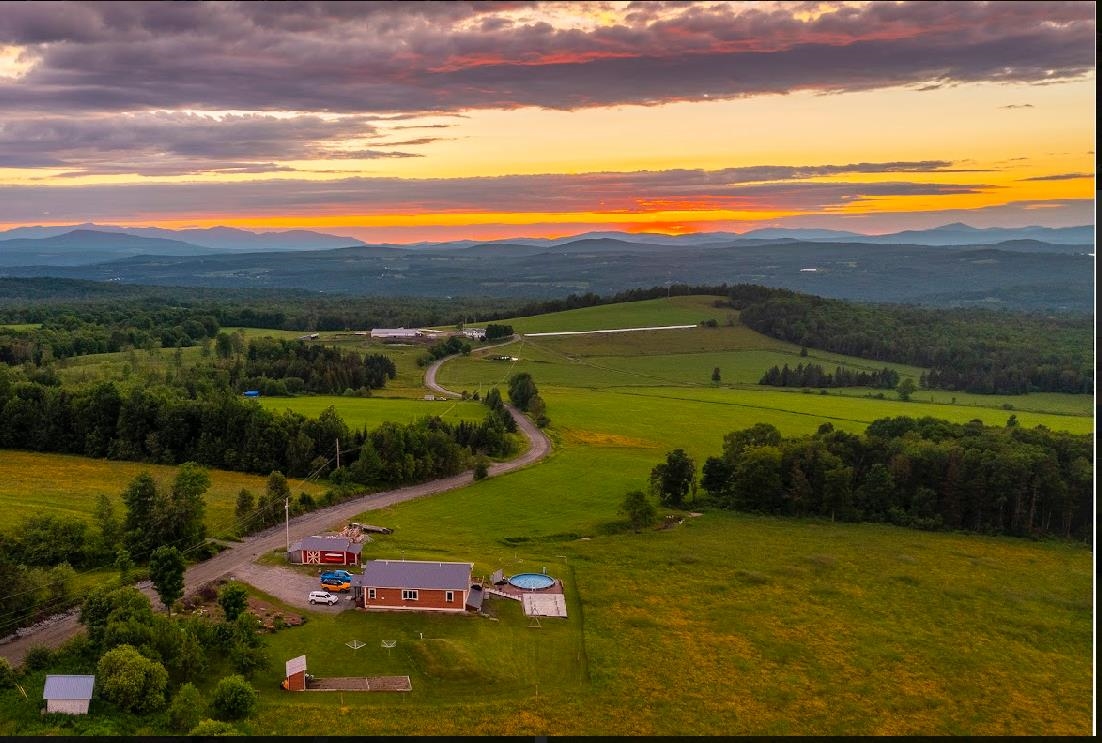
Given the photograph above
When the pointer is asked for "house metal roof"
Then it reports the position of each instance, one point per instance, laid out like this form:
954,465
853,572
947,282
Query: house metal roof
68,687
416,574
330,544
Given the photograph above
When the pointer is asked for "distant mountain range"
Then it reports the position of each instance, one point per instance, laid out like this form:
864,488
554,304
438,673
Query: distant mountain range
1026,268
217,238
950,234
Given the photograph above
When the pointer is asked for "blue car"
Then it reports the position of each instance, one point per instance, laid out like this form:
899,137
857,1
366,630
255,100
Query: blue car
342,575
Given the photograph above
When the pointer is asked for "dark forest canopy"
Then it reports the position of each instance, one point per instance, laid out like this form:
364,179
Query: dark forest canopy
924,473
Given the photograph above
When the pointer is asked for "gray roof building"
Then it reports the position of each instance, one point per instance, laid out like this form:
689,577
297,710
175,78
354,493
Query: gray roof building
335,544
68,695
69,687
416,574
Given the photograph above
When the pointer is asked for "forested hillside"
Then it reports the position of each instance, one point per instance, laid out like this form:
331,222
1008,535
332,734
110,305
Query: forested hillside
974,350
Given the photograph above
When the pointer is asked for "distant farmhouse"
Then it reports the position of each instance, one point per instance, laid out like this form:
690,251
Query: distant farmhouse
325,551
68,695
415,585
478,334
396,333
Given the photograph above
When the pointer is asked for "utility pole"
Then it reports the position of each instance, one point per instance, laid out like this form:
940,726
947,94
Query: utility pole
338,453
287,520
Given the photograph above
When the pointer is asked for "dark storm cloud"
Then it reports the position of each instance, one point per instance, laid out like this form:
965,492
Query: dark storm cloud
764,187
404,57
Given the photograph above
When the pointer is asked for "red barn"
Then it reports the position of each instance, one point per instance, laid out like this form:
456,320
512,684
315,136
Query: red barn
414,585
325,551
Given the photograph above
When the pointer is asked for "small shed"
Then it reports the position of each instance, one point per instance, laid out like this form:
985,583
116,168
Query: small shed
68,695
326,551
296,674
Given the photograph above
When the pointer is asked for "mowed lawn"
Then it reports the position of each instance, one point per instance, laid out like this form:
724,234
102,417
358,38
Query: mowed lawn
68,486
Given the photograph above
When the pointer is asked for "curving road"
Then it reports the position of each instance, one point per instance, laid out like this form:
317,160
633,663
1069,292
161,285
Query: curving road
239,556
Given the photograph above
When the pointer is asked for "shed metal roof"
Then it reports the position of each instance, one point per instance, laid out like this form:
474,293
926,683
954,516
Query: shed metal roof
295,665
331,544
68,687
417,574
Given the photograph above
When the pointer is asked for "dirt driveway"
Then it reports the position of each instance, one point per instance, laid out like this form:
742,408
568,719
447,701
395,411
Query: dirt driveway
289,586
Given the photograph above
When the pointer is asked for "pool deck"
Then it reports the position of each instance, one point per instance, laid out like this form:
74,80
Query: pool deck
512,590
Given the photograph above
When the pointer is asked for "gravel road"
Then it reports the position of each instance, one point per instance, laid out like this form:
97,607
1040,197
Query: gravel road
237,560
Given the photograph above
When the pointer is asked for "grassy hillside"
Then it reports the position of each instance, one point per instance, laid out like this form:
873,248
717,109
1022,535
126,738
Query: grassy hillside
32,483
649,313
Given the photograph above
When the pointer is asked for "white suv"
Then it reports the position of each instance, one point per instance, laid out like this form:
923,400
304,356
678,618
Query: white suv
323,597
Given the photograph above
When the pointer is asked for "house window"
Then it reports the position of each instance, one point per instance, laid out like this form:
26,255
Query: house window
408,595
371,594
448,597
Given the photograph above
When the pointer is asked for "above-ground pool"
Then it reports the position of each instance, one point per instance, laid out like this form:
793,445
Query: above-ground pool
532,581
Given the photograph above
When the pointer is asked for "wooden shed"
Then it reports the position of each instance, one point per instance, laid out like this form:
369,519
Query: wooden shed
68,695
325,551
296,674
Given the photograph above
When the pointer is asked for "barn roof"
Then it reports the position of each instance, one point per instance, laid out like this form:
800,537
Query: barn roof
333,544
68,687
417,574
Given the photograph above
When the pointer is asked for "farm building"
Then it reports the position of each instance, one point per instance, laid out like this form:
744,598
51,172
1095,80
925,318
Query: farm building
478,334
414,585
395,333
325,551
68,695
296,674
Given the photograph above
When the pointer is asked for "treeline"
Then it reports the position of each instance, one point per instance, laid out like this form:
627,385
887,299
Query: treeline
813,375
218,429
313,368
924,473
39,300
453,345
974,350
64,335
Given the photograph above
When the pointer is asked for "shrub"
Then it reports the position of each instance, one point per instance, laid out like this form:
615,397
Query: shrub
213,727
186,709
7,674
481,468
131,681
38,658
234,699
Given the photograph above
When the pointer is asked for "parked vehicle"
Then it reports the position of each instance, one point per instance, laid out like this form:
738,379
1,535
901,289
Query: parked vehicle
323,597
335,584
344,575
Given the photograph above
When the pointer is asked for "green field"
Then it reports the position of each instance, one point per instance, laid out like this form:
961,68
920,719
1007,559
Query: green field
68,486
21,327
649,313
370,412
726,624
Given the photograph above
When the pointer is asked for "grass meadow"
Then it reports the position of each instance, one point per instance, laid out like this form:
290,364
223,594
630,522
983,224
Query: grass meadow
724,624
370,412
68,486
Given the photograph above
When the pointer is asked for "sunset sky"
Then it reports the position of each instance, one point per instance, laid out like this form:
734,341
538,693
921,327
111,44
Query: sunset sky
400,122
